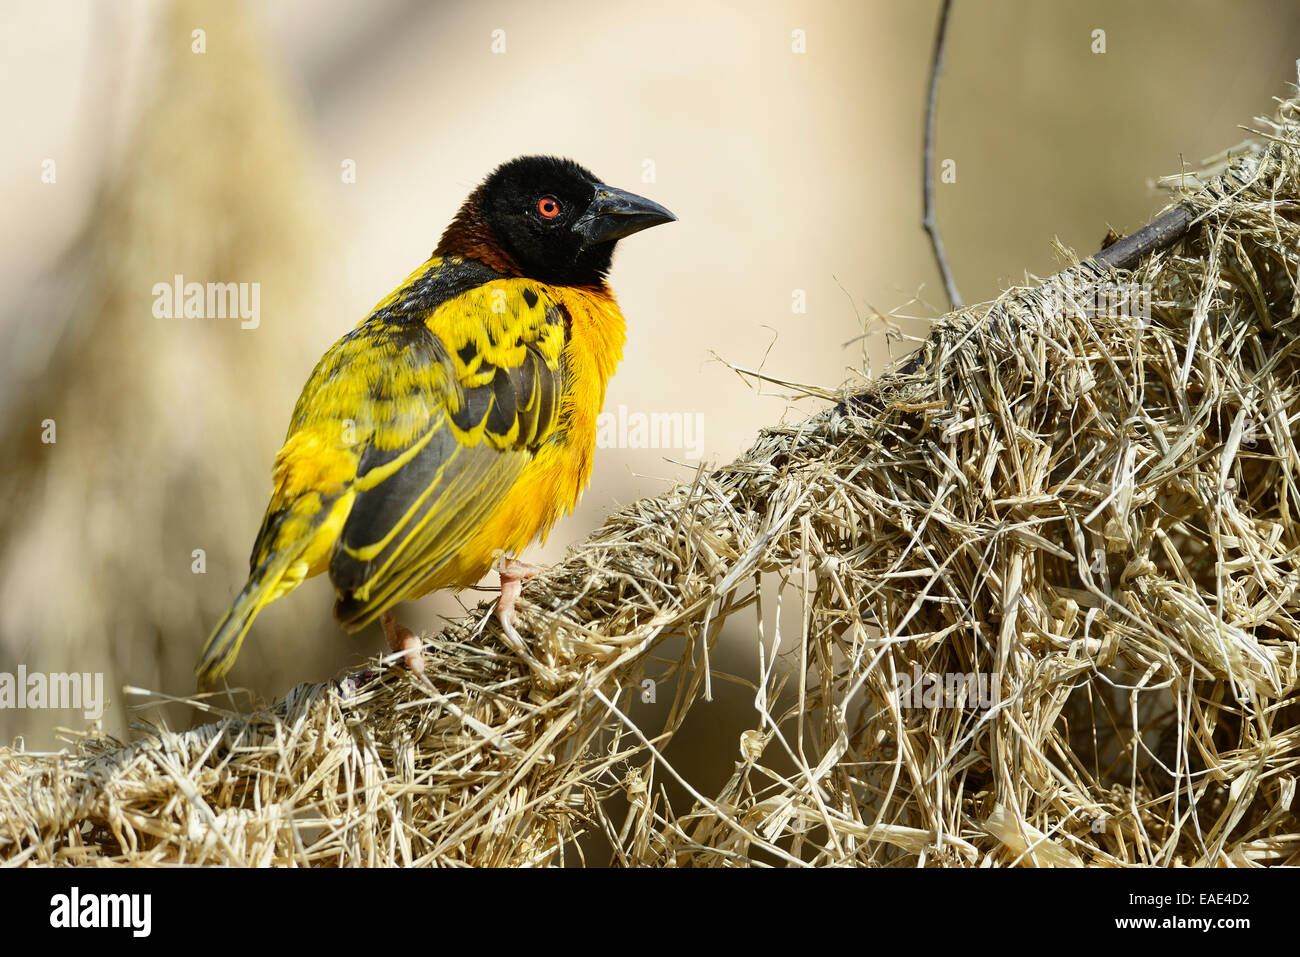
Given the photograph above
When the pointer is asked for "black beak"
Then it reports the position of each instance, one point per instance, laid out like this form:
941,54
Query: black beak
615,213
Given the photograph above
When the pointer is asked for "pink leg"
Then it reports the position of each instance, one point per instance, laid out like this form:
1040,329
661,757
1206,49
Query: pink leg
401,638
513,575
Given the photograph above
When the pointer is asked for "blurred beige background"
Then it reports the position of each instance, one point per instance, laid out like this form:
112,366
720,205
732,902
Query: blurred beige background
789,171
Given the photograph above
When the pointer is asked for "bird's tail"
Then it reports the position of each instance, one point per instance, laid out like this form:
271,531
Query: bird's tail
271,579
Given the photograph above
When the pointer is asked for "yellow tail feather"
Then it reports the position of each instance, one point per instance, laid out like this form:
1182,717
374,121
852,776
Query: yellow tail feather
266,585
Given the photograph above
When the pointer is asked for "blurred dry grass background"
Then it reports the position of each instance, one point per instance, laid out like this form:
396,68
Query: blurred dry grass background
788,172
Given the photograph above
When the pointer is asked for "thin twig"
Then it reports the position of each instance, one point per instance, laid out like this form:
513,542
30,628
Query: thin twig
1161,233
927,162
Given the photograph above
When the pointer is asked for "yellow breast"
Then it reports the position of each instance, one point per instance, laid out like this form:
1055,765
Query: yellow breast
554,480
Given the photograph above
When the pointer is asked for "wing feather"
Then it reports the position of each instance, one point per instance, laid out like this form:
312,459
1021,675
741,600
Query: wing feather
490,380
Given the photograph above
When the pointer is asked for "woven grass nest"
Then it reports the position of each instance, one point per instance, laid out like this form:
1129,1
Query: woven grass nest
1049,603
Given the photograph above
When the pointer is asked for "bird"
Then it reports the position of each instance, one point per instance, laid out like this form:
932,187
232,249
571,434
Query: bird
457,422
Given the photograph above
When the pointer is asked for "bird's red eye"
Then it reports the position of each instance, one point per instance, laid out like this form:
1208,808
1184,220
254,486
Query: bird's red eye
549,207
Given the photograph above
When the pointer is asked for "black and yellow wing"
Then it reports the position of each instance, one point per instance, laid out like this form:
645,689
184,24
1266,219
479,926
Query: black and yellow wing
466,395
412,429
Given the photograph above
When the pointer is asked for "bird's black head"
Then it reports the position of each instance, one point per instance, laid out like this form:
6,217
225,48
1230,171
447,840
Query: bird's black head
548,219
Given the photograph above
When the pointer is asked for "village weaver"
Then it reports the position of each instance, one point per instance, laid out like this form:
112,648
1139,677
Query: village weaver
457,423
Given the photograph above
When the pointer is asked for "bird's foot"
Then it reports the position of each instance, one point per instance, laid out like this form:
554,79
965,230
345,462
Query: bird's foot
400,638
513,575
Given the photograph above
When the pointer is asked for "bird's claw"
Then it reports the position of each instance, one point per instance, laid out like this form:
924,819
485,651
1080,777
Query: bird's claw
400,638
513,575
